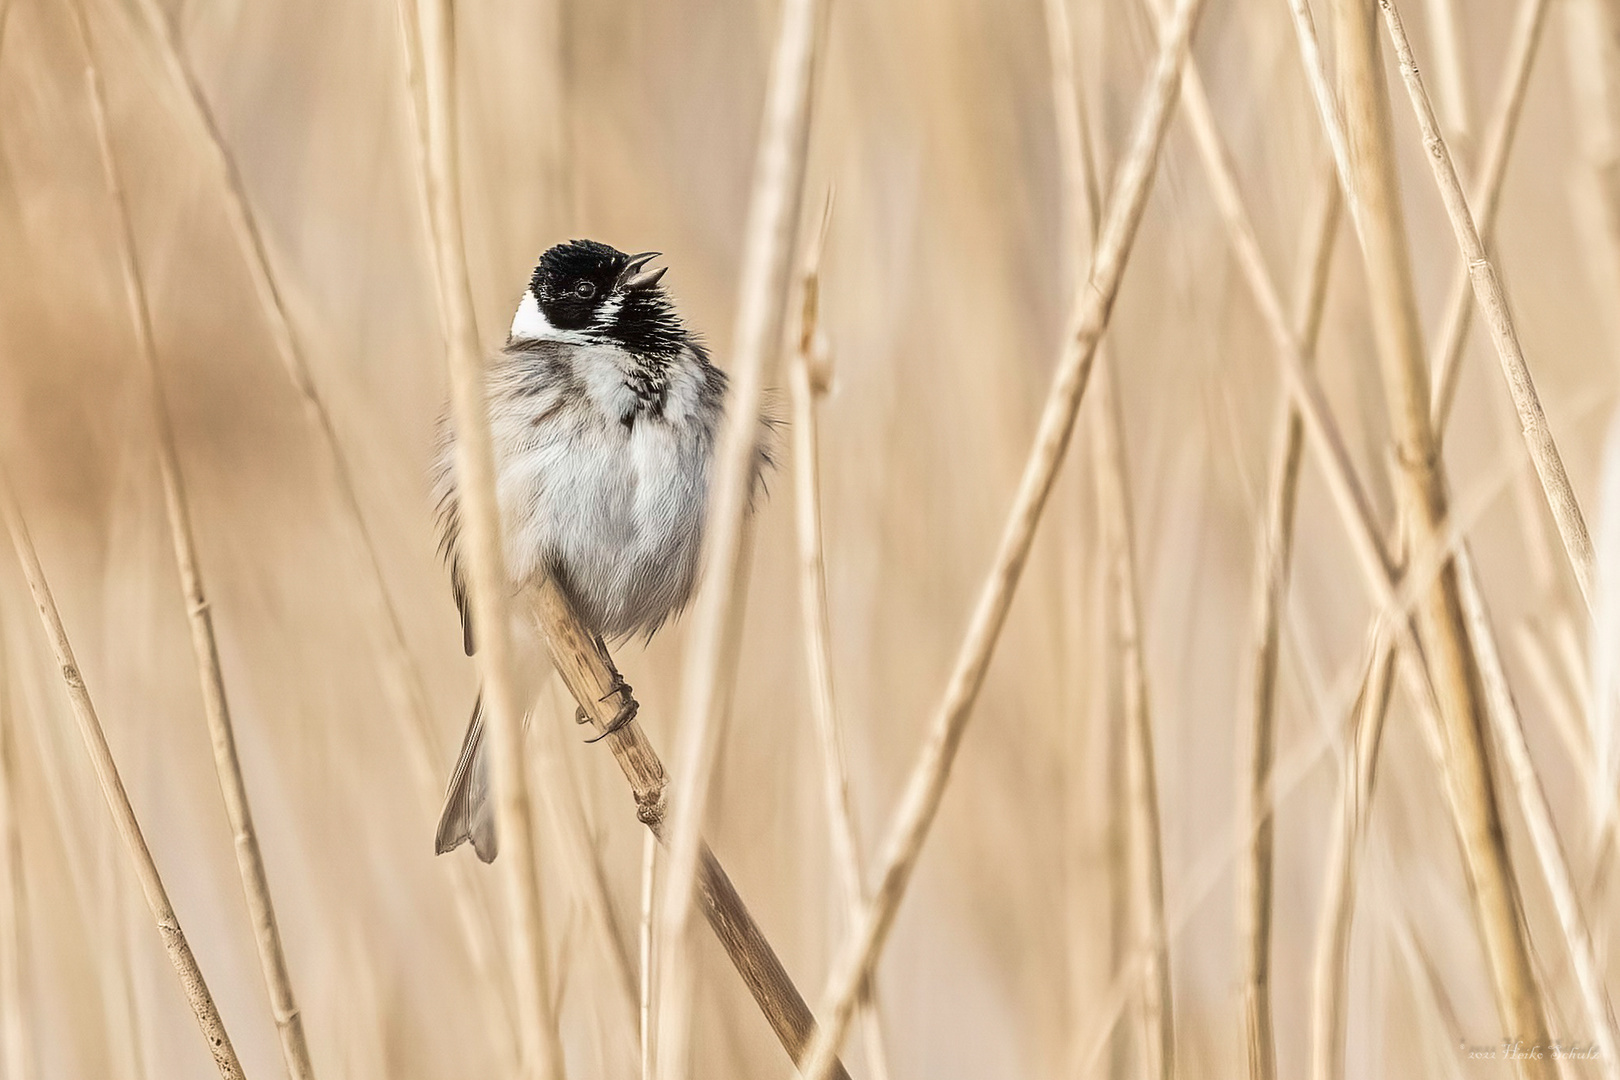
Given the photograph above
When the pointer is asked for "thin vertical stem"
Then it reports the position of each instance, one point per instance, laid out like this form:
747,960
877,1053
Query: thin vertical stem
15,1044
1275,557
714,636
481,536
1451,66
1382,231
930,775
112,789
1146,859
1593,60
402,677
644,997
809,375
1146,856
1336,917
563,805
205,649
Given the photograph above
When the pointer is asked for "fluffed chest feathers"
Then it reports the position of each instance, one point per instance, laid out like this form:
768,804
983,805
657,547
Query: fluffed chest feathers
603,474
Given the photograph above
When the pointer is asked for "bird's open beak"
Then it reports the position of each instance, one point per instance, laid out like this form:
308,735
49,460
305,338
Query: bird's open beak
633,277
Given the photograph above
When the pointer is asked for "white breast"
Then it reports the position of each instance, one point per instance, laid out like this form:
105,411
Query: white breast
619,508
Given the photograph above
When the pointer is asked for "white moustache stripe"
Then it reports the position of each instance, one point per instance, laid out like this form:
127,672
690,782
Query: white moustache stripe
531,324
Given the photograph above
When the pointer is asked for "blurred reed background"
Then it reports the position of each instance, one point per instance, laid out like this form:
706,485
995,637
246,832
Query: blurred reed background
948,268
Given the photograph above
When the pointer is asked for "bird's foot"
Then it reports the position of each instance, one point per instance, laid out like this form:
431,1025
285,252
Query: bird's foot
628,707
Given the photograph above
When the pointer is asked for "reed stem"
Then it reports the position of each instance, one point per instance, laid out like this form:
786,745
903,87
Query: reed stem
175,944
541,1048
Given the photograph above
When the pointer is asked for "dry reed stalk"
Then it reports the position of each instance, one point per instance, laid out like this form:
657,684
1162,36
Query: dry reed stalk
588,672
1338,905
1349,497
1487,197
112,789
1275,558
1146,859
410,40
1078,208
1593,62
809,376
1076,176
926,786
15,1045
91,869
1561,705
1492,300
1110,474
405,675
1127,965
205,648
714,634
1209,871
486,563
644,995
1337,912
1423,501
1502,129
1451,67
402,679
1348,493
1508,727
1504,714
581,860
1421,971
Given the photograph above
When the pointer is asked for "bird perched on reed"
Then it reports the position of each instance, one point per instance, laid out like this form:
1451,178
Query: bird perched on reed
604,410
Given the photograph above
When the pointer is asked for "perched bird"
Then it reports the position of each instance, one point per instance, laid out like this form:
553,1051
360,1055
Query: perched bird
604,411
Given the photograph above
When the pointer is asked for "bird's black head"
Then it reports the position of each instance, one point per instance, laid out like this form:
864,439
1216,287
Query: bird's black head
583,290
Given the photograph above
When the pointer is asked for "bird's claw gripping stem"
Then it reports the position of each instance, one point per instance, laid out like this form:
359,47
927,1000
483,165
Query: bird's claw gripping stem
628,708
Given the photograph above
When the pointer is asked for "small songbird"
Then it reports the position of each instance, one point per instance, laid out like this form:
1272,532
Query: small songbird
604,411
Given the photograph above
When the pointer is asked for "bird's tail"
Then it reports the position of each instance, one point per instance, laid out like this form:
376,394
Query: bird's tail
469,813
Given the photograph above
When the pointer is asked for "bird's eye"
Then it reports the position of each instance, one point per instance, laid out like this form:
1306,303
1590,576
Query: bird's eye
585,290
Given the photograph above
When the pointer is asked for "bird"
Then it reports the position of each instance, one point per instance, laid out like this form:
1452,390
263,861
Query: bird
604,411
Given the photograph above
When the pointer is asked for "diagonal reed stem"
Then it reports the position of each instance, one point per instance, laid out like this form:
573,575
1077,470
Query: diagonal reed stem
1367,170
1523,42
1506,722
402,676
1508,726
1566,509
1348,494
588,672
112,789
1499,139
714,640
475,468
1094,301
205,649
